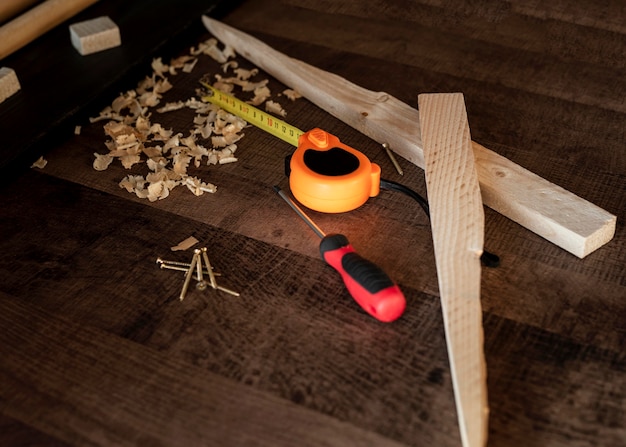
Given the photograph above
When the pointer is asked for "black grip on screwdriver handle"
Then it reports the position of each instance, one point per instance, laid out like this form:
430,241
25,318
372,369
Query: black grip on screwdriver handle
365,272
368,284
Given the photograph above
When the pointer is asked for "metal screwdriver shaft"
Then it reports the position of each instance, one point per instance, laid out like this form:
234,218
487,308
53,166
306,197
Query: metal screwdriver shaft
300,213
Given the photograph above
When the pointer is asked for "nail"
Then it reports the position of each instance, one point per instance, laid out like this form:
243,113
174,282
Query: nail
183,269
188,276
392,158
199,267
182,264
224,289
209,268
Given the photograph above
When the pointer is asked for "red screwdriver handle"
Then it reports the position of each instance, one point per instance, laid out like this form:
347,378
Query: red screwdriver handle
368,284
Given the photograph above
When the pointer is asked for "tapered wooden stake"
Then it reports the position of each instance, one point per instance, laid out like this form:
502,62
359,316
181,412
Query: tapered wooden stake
457,220
561,217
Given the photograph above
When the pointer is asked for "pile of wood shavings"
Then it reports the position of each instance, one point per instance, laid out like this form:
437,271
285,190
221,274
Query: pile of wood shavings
135,138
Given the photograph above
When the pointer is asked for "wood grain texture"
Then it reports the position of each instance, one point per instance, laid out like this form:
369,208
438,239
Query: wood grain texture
10,8
549,210
78,273
207,404
37,21
457,222
325,355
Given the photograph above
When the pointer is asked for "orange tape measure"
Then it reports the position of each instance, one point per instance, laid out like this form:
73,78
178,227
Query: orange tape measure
329,176
324,174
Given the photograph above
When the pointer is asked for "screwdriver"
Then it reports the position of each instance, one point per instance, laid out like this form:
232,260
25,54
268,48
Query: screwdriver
368,284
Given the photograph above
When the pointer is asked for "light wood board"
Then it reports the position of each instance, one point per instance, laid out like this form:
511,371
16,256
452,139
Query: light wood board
457,222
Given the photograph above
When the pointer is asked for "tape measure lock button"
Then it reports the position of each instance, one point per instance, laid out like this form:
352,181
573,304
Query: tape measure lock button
329,176
318,137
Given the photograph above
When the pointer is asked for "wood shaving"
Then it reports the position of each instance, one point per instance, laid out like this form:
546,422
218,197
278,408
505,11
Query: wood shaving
229,52
228,65
244,75
186,244
225,160
276,108
224,87
254,86
102,161
186,63
159,68
210,48
40,163
171,106
260,95
291,94
135,137
189,66
198,187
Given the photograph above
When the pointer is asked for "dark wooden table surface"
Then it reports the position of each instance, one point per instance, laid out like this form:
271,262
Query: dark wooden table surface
96,348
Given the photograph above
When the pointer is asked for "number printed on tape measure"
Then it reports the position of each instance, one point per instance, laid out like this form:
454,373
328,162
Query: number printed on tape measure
254,116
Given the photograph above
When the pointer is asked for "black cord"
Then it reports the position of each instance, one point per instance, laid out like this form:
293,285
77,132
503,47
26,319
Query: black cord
393,186
488,259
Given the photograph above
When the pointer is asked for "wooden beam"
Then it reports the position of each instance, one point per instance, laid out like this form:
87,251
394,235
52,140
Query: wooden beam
457,221
10,8
36,21
559,216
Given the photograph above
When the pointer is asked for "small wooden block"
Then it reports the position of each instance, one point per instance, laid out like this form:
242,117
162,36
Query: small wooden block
9,84
95,35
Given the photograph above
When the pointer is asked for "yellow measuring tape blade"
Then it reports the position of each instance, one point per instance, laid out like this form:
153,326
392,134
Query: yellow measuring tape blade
252,115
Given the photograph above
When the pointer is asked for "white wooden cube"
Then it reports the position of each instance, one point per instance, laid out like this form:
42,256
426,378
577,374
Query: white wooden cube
95,35
9,83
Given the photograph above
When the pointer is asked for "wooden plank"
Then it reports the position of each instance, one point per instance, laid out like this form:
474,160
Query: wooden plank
457,222
417,42
97,269
123,393
554,213
325,354
14,433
